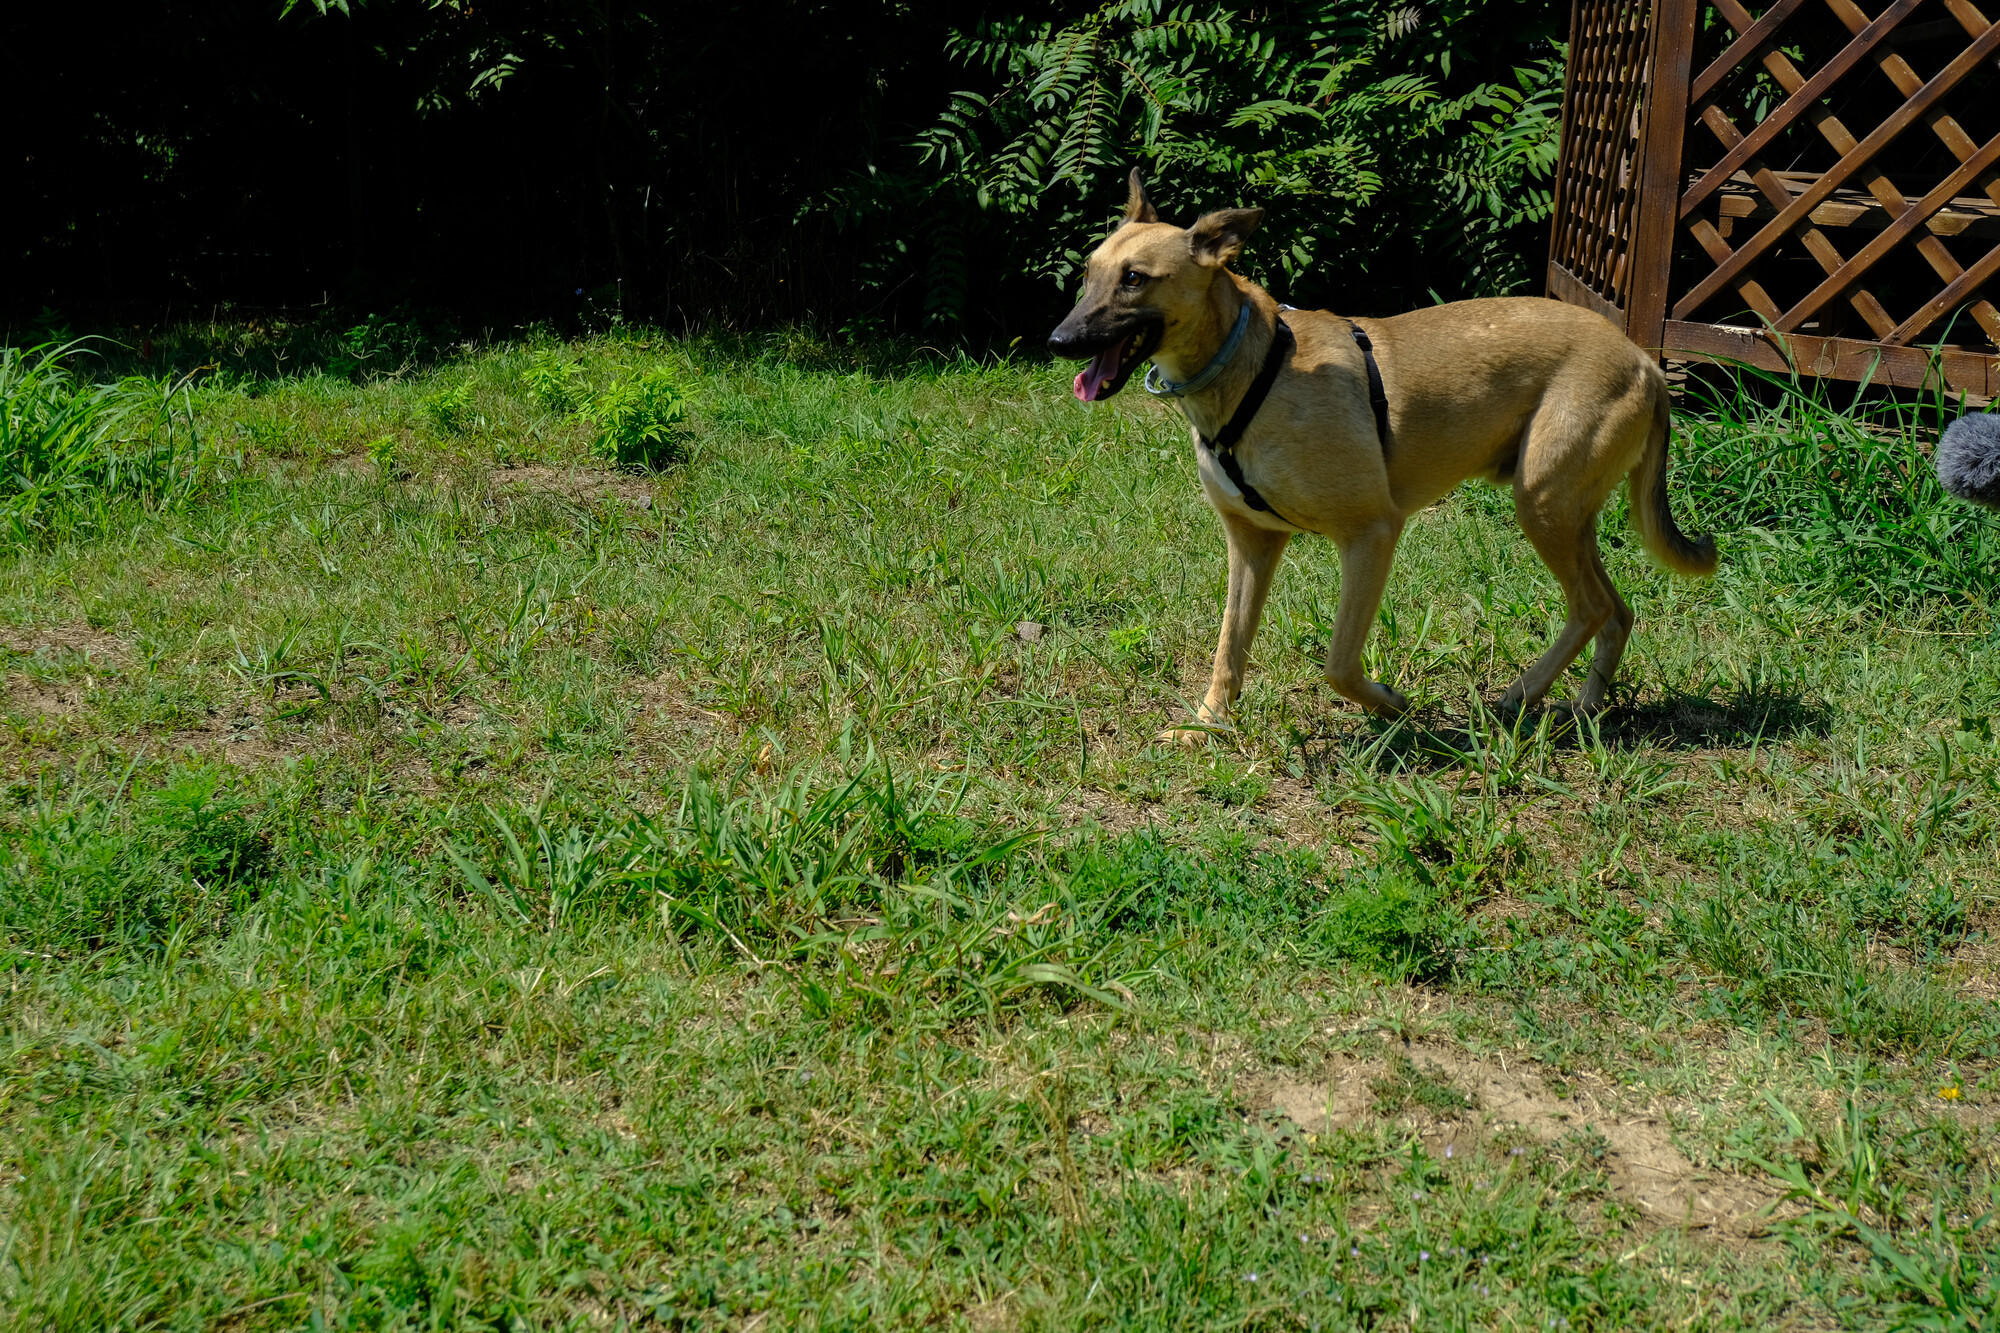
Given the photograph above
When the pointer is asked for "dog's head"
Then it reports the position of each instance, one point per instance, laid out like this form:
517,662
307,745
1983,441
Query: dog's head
1145,282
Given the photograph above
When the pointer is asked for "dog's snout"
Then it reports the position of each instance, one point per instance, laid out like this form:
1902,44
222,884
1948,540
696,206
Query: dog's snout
1066,341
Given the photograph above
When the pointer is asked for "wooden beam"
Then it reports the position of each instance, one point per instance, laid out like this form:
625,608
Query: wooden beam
1651,257
1964,369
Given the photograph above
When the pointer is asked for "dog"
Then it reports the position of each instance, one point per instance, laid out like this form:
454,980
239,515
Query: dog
1545,397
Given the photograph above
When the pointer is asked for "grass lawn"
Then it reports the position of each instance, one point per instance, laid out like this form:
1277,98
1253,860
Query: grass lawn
448,881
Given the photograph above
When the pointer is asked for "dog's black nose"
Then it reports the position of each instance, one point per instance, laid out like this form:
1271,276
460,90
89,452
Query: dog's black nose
1065,342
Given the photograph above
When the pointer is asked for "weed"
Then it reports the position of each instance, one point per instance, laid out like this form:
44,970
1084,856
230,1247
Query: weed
384,452
71,450
1390,926
86,873
449,408
640,420
553,381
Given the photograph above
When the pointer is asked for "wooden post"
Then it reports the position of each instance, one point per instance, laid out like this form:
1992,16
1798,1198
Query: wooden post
1659,184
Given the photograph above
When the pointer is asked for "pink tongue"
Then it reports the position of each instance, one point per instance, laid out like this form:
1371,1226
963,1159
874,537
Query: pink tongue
1103,368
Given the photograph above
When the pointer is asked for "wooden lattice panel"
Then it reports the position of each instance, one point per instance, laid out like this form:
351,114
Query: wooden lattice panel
1603,152
1833,202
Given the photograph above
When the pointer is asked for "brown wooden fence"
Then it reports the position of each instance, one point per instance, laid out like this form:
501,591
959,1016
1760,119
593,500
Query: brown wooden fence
1813,187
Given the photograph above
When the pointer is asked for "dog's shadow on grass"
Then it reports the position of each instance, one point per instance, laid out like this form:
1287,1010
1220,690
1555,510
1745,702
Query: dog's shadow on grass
1741,720
1428,741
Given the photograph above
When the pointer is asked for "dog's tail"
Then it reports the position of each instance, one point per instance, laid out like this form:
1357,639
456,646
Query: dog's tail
1694,556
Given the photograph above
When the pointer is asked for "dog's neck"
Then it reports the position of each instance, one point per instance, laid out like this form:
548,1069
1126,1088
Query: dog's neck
1186,353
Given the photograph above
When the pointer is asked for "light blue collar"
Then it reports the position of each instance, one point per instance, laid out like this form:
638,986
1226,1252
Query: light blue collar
1161,387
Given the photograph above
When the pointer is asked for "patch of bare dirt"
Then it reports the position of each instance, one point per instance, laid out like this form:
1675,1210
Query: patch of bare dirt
1976,967
238,736
1108,812
663,705
40,698
1301,816
993,1316
53,640
1642,1162
578,484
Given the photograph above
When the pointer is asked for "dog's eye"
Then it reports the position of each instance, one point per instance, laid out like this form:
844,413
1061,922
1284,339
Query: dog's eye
1134,278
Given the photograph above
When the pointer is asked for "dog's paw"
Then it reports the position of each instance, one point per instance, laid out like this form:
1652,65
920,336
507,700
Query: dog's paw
1391,704
1191,734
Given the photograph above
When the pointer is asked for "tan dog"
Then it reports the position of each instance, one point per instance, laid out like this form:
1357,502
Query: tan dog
1518,390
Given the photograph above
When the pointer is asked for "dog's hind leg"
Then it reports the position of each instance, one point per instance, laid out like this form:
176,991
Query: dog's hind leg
1611,640
1568,548
1254,553
1364,573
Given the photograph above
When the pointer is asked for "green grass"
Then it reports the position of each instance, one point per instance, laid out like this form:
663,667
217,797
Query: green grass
450,883
70,448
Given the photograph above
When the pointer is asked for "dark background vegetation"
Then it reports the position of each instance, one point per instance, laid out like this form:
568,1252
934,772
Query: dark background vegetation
904,165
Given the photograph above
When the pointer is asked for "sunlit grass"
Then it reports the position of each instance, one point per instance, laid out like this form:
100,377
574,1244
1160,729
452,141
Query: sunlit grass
450,883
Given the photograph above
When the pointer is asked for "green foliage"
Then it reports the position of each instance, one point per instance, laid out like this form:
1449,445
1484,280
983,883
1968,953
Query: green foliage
552,379
384,452
1931,1271
71,449
379,345
449,408
640,420
1345,119
1388,925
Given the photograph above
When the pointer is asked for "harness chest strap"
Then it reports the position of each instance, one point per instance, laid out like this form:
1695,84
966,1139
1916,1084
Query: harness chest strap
1378,397
1223,446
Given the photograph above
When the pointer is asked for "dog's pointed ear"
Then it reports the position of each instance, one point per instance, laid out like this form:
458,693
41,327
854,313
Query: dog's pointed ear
1216,238
1138,208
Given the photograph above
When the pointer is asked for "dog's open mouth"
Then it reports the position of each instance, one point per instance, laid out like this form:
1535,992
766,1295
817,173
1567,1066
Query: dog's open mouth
1109,369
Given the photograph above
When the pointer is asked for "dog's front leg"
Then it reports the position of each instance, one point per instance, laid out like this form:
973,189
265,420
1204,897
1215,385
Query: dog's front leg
1254,553
1364,573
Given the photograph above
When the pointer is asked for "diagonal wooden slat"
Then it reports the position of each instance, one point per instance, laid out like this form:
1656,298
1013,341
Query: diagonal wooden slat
1816,242
1808,95
1749,289
1836,134
1752,36
1938,306
1956,141
1889,237
1878,139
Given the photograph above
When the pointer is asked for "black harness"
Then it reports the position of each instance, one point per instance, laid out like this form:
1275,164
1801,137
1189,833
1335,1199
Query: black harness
1223,447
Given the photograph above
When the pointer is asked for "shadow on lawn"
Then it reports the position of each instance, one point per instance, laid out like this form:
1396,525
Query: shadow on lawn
1736,720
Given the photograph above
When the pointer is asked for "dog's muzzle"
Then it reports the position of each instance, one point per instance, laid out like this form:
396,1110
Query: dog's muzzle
1112,361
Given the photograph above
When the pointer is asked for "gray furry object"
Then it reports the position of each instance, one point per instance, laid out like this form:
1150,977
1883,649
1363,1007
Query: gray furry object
1968,459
